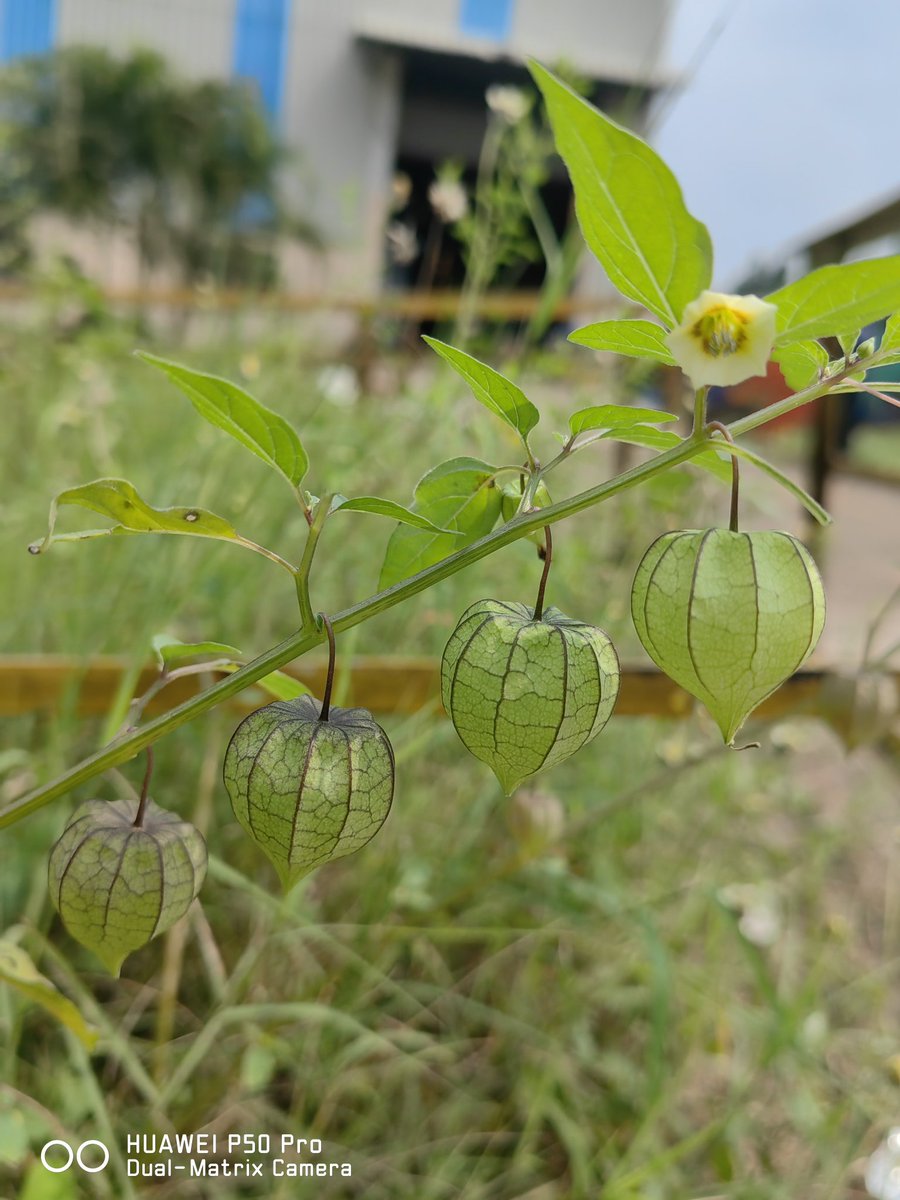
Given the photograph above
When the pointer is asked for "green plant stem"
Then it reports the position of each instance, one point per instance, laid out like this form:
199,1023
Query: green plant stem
248,545
301,575
699,412
771,413
126,747
545,574
145,791
329,682
735,475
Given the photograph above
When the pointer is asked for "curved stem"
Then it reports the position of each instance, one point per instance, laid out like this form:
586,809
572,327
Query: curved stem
145,791
265,552
542,587
301,575
735,475
329,681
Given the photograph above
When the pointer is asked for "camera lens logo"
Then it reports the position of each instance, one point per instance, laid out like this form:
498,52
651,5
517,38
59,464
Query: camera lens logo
58,1160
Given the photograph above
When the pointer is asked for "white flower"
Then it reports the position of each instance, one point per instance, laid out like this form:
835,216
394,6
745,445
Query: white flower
402,243
509,103
759,913
449,200
723,339
883,1169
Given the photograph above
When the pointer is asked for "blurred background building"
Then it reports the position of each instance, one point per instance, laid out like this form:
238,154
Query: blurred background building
358,91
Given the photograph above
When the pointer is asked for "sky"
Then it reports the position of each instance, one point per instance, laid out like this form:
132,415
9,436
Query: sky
791,121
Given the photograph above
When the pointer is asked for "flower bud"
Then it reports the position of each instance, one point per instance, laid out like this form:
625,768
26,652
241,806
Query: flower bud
117,885
524,694
309,790
728,616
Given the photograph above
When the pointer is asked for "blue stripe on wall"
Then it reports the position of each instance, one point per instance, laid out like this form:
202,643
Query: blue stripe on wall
260,33
486,18
26,27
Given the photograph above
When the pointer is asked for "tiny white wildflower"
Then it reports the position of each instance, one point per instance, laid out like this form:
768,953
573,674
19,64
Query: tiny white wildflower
723,339
883,1169
509,103
449,200
403,246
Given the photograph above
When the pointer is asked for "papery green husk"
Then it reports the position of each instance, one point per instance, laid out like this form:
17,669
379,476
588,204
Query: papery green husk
523,694
728,616
117,886
308,791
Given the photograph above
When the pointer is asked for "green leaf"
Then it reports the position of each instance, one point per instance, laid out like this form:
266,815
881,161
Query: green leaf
385,508
664,439
118,499
18,970
801,363
837,300
616,416
890,342
39,1184
639,339
812,506
459,494
491,389
267,434
170,651
629,206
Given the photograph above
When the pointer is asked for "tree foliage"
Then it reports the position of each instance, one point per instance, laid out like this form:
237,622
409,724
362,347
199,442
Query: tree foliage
191,167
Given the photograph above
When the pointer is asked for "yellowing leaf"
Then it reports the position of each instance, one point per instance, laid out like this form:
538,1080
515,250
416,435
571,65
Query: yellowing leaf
118,499
19,972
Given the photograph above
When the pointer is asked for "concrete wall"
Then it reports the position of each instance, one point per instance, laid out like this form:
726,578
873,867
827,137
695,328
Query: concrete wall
342,94
603,38
195,35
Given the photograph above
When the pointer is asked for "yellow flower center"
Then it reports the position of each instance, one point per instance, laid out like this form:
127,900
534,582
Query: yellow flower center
720,331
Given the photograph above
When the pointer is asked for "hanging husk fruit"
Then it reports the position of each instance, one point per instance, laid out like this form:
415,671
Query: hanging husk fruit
524,694
117,885
728,616
306,789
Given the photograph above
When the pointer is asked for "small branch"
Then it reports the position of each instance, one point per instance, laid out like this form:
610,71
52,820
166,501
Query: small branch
867,387
699,412
821,388
301,574
145,791
735,475
265,552
542,587
329,681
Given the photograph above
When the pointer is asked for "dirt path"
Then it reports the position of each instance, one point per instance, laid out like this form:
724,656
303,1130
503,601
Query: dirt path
860,554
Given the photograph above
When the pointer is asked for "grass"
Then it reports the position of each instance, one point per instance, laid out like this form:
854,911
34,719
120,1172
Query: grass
559,995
